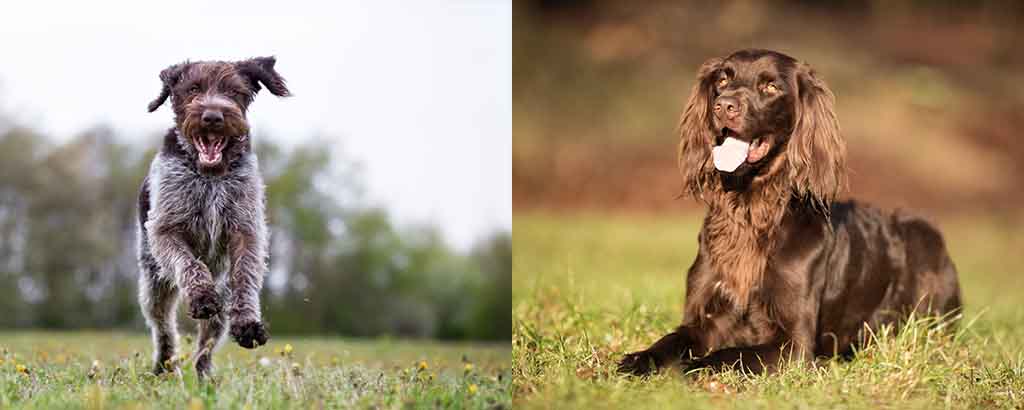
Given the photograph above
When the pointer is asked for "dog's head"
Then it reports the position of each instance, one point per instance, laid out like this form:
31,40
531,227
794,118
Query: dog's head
210,100
778,107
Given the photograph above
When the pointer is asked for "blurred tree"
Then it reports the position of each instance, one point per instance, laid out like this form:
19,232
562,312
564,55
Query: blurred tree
494,298
338,265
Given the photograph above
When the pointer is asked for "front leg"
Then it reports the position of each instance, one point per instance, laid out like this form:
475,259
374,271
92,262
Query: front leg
686,341
247,250
670,349
753,359
173,254
793,347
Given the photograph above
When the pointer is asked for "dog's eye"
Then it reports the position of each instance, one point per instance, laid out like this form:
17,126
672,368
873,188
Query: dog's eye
723,82
193,89
770,87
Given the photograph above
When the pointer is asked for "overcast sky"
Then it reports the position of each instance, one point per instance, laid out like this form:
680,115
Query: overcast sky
418,91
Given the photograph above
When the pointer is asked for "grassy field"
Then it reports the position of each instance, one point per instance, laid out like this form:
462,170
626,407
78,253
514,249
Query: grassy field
95,370
587,288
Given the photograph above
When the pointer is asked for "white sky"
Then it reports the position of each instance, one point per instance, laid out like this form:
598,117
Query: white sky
418,91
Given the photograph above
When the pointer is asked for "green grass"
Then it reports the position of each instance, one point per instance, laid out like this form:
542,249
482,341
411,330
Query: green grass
94,370
587,288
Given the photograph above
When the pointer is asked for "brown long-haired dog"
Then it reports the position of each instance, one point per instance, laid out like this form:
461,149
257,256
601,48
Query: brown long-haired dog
783,271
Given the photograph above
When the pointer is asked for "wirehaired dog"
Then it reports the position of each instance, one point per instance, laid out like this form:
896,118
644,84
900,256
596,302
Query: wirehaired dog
202,230
783,271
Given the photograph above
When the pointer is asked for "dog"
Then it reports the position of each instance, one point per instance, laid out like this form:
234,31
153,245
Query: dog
784,272
202,229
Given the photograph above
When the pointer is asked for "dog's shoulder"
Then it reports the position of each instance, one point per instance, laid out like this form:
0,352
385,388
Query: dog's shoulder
897,224
851,211
144,202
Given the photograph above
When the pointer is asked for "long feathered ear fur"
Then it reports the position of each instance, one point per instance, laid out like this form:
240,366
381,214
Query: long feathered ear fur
816,151
261,70
695,137
169,77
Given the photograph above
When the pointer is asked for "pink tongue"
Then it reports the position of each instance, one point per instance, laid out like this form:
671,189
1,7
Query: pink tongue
730,155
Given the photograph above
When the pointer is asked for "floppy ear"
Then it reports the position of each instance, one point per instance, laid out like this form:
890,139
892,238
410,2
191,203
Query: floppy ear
695,137
816,151
169,76
261,70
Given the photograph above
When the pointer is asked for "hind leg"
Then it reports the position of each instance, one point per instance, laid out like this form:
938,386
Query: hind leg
159,300
935,276
211,334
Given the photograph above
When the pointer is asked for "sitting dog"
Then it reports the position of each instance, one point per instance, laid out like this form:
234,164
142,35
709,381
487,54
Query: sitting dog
202,229
783,271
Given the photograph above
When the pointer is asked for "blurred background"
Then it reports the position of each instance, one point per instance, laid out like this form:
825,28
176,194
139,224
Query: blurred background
930,99
930,96
388,172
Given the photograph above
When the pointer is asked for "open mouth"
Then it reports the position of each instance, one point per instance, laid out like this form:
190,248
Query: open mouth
209,149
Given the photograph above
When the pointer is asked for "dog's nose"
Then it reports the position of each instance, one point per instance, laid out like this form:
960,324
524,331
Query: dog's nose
727,107
212,117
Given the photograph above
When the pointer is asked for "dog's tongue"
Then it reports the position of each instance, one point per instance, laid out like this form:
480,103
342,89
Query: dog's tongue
209,151
730,155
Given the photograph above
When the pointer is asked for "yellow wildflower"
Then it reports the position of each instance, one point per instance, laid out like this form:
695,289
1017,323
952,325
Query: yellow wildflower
21,369
288,348
472,389
467,368
94,369
423,365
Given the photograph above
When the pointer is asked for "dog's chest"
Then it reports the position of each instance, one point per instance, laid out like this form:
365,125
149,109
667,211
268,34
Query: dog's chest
207,219
202,207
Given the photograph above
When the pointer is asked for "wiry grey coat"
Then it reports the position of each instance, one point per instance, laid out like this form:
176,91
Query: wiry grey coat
202,226
207,237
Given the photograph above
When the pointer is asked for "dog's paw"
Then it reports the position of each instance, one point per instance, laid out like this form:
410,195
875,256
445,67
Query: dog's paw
204,365
639,363
250,334
204,304
163,367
